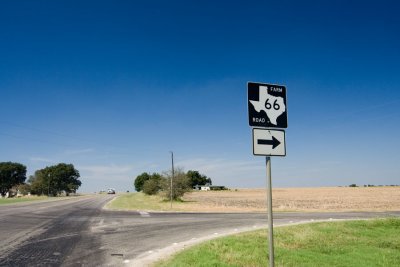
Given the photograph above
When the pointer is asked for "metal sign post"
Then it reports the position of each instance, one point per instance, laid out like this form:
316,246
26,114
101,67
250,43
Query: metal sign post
172,177
270,218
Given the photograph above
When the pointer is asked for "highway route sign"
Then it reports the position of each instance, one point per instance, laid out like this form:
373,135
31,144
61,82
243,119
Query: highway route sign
267,105
269,142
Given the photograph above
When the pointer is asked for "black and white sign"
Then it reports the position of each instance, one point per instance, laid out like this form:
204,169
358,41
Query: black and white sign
267,105
269,142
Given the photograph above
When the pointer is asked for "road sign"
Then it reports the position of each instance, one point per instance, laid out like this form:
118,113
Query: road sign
268,109
267,105
268,142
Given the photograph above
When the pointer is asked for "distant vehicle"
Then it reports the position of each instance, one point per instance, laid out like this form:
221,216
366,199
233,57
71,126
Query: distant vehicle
110,191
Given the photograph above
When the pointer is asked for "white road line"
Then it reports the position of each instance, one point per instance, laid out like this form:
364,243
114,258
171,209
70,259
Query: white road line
144,214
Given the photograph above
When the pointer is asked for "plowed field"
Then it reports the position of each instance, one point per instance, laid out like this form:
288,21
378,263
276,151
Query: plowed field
297,199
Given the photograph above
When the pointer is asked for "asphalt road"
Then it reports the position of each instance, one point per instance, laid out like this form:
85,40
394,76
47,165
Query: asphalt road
78,232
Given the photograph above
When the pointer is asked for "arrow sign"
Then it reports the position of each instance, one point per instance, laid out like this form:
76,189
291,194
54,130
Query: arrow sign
268,142
274,142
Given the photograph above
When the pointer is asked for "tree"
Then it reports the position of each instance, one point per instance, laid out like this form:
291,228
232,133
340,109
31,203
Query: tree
37,182
55,179
65,178
11,174
24,189
197,179
180,184
139,181
153,184
151,187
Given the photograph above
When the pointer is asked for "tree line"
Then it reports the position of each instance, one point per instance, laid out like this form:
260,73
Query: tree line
182,182
53,180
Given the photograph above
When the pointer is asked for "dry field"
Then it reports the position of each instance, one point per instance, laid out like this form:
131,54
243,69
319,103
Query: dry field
297,199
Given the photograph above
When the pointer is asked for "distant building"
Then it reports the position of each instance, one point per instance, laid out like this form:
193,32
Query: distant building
205,188
209,187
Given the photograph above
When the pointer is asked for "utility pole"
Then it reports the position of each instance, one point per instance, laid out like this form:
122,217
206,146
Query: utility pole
172,177
48,188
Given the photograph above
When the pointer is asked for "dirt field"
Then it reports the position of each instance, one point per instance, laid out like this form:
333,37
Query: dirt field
297,199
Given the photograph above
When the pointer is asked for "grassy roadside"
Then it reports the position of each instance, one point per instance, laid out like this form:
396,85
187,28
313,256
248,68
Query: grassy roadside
14,200
140,201
4,201
352,243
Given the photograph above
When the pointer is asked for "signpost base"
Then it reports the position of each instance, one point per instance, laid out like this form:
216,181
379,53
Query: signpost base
270,218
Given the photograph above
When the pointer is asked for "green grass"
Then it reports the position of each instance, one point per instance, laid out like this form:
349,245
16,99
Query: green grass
21,199
347,244
140,201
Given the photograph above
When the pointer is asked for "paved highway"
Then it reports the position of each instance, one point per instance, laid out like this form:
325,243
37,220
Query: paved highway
78,232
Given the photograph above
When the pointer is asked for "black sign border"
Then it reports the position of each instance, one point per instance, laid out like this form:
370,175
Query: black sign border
266,129
249,106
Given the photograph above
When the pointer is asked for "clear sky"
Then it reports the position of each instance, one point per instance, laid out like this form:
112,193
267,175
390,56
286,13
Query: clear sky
113,86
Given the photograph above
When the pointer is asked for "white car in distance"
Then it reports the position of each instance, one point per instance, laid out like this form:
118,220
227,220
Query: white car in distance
110,191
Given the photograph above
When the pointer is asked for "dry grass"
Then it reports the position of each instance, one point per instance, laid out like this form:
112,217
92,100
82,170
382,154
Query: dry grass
296,199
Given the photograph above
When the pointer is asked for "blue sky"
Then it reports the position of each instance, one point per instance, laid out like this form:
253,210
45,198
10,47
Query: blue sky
113,86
